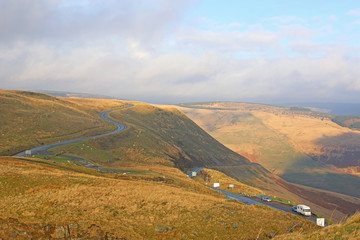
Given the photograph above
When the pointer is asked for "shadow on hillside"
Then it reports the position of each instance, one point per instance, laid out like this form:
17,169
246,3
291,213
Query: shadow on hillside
335,182
341,151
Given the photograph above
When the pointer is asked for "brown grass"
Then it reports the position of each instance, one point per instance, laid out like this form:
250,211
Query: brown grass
32,119
275,137
349,230
131,208
302,131
210,176
253,129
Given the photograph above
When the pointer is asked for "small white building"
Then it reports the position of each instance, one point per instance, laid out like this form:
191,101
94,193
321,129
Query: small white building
216,185
320,222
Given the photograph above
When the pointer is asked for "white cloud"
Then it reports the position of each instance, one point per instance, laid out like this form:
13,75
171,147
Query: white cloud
227,41
296,31
121,48
354,12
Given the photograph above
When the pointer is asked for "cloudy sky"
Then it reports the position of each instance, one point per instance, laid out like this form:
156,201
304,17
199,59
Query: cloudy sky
168,51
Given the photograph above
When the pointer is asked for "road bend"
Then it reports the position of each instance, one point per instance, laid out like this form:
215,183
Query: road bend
43,150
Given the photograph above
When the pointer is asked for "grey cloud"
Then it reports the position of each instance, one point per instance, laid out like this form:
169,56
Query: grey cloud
296,31
86,21
307,48
192,79
229,41
210,75
121,48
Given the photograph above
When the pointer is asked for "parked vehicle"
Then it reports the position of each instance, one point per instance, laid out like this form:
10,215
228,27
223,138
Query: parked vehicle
266,199
304,210
294,208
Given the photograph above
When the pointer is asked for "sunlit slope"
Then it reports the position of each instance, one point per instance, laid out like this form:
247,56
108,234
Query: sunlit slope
318,137
166,137
248,135
155,137
285,141
210,176
29,119
348,230
162,203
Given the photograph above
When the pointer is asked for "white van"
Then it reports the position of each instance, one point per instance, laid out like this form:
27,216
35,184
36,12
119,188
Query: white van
304,210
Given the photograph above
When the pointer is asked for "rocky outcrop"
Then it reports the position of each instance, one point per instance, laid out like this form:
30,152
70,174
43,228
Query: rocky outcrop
13,229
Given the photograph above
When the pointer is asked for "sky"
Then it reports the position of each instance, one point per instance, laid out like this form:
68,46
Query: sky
171,51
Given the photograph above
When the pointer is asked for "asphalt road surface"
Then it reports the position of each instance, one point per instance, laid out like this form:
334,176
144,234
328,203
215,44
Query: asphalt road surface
43,150
257,200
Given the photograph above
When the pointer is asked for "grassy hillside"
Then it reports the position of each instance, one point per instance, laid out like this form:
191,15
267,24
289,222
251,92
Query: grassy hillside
161,204
165,136
157,136
210,176
349,230
31,119
297,144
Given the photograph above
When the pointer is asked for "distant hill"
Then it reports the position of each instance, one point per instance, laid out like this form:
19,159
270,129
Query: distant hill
333,108
145,198
156,137
72,94
300,145
344,114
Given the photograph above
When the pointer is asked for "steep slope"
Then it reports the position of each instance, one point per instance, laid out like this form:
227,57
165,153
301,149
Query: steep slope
166,137
299,145
160,136
195,148
42,199
155,137
346,230
242,128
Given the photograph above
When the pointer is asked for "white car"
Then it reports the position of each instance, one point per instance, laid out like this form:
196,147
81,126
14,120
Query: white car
266,199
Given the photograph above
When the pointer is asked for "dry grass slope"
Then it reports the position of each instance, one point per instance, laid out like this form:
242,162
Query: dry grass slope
131,207
287,143
31,119
349,230
156,136
155,142
210,176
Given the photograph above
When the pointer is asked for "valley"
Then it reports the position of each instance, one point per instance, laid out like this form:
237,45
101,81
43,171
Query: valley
138,191
286,141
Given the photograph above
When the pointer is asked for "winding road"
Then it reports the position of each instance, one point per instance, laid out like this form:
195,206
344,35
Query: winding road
256,200
43,150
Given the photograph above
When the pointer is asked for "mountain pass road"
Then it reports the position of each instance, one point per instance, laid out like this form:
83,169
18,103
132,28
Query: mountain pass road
43,150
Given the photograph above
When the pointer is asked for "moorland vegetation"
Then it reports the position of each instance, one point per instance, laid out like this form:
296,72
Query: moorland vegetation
145,192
